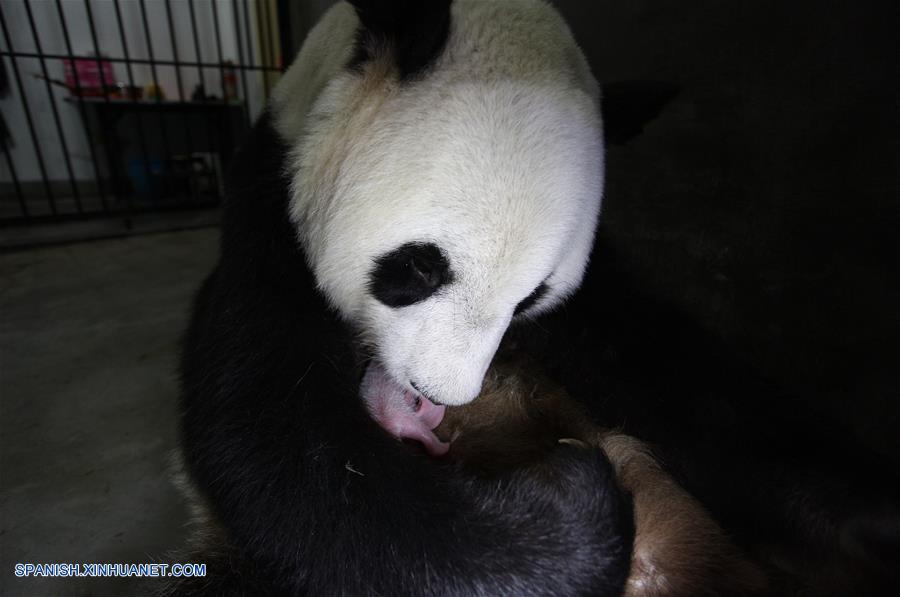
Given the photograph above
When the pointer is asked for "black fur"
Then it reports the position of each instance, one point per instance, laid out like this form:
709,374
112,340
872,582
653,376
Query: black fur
409,274
414,31
314,496
530,300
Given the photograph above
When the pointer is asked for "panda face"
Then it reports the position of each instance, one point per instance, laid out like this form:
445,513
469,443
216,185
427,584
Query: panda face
434,331
440,232
434,211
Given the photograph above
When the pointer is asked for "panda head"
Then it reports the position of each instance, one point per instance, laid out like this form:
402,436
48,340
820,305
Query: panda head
447,169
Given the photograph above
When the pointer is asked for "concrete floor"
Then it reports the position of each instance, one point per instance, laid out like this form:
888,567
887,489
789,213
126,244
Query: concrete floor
89,337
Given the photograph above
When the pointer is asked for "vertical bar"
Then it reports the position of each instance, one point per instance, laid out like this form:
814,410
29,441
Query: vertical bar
222,75
197,46
267,22
249,40
185,119
283,12
249,33
174,44
109,147
29,121
260,33
54,109
81,107
162,117
196,38
142,139
199,56
240,45
146,27
15,177
267,37
219,47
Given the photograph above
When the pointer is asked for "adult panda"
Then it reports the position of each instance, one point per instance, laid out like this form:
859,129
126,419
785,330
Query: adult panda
425,174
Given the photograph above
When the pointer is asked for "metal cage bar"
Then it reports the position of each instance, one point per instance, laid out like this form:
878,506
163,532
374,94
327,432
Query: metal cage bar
54,110
186,125
240,48
109,143
182,63
139,118
111,112
28,119
217,175
98,179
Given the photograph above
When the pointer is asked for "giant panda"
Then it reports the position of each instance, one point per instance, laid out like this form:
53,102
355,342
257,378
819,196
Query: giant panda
424,188
425,174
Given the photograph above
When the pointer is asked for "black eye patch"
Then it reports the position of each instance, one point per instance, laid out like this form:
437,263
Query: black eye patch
409,274
531,299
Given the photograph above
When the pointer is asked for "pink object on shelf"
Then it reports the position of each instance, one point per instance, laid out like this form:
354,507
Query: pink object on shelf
89,75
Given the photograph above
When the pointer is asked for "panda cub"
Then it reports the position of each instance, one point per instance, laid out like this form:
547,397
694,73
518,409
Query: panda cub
425,173
521,415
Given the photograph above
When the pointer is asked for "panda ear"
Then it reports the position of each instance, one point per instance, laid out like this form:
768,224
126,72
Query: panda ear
627,106
415,31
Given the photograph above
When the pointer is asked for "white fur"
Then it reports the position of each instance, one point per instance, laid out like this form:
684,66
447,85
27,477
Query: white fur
495,156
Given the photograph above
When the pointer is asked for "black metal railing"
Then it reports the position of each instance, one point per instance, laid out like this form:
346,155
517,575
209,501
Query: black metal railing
77,144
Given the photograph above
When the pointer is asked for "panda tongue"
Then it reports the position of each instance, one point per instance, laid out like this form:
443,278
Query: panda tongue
402,413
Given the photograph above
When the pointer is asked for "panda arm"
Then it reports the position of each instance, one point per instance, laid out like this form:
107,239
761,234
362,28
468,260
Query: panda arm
312,491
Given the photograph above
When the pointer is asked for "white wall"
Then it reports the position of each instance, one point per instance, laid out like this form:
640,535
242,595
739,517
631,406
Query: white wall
50,32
